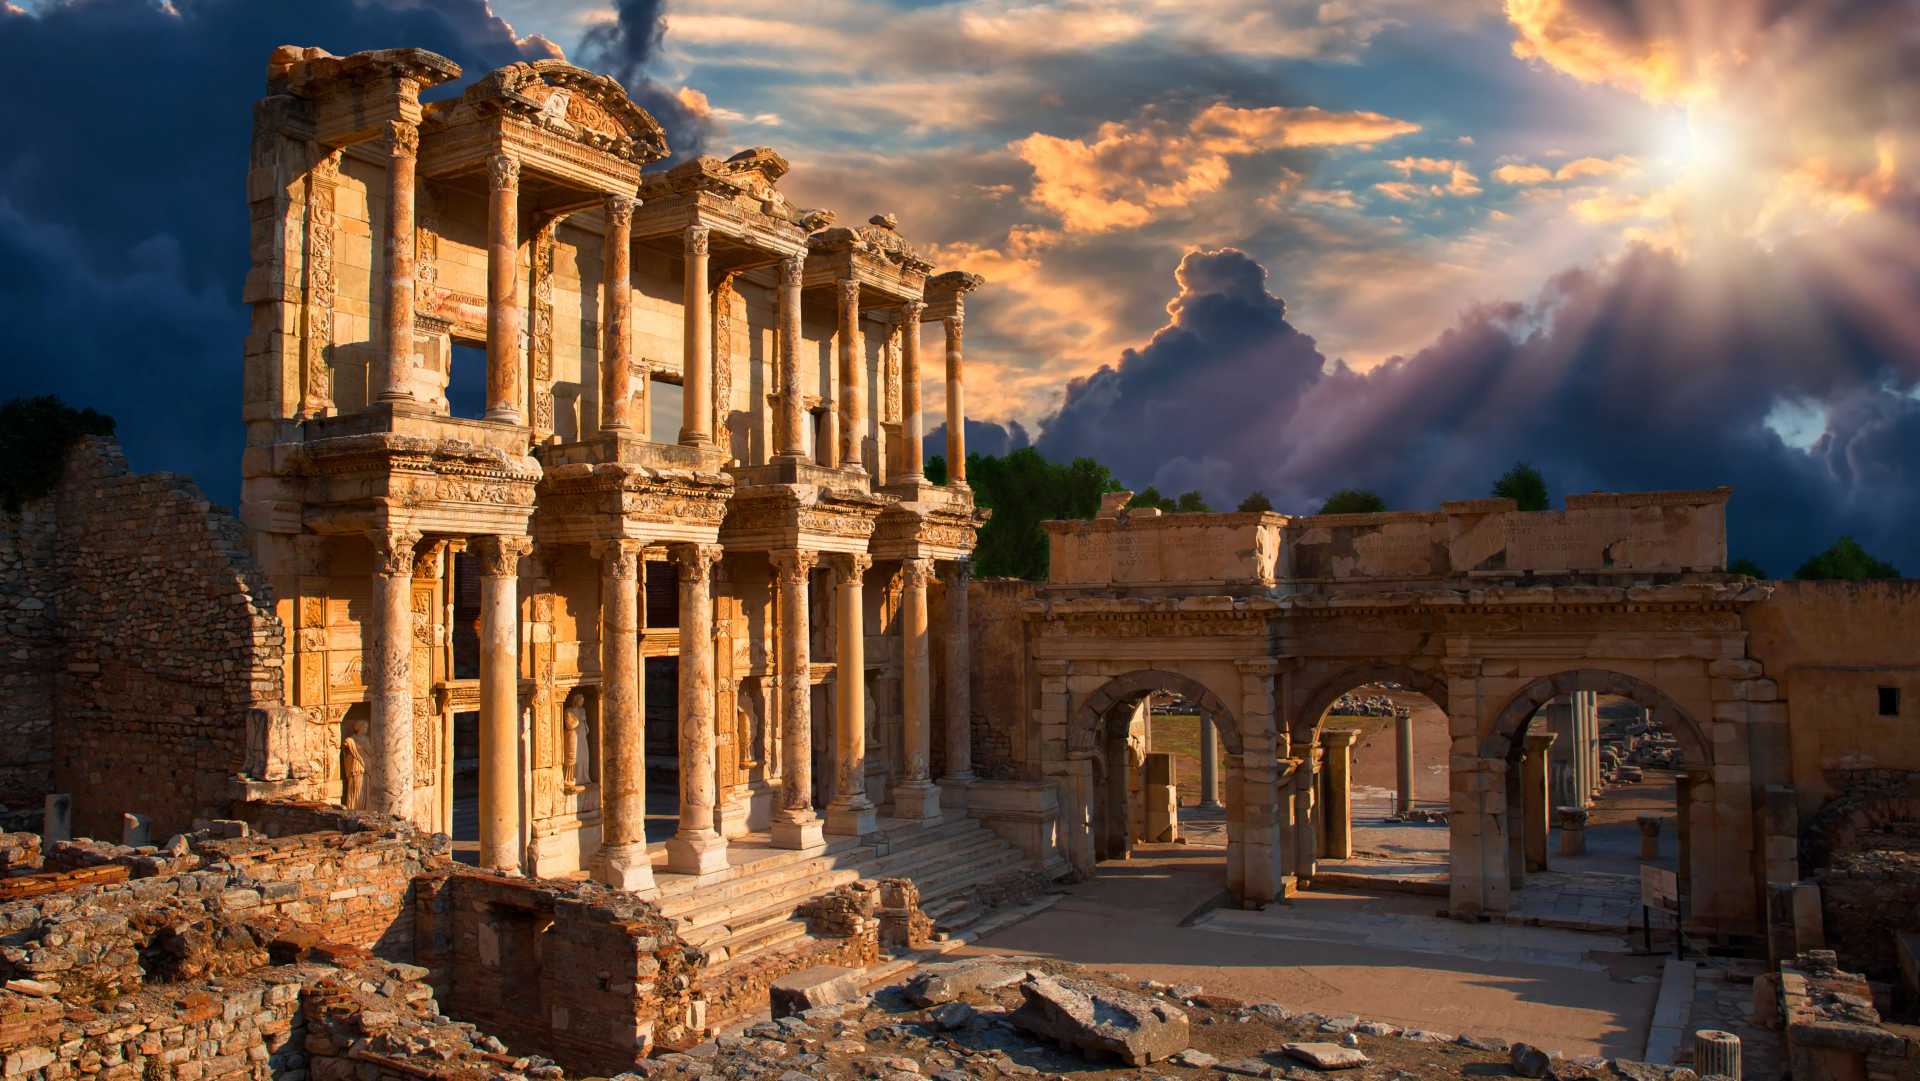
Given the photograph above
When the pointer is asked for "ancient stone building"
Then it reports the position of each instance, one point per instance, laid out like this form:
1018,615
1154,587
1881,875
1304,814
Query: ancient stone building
672,568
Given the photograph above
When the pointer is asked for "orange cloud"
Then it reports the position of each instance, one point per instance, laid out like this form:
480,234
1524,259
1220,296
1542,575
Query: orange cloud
1460,179
1578,169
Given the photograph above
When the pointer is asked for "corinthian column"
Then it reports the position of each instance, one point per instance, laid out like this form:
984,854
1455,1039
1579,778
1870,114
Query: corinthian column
622,861
698,848
503,301
795,825
851,812
616,357
913,426
853,381
396,374
789,433
696,403
916,796
500,701
956,404
959,711
388,665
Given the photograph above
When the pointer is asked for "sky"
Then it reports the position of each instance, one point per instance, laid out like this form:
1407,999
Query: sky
1230,244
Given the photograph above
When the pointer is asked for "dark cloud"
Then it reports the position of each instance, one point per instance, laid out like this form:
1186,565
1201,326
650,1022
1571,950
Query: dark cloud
123,207
623,48
983,437
1640,376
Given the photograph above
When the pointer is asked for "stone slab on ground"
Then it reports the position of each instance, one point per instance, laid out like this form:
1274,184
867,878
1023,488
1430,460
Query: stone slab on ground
950,980
1101,1019
1326,1056
821,985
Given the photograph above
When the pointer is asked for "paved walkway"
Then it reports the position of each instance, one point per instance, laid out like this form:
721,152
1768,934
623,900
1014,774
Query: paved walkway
1385,957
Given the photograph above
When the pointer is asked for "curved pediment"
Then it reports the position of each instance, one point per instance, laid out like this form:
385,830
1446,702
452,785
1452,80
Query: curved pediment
575,103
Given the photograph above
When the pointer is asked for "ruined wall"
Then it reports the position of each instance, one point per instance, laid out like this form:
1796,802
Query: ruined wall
1831,646
167,636
29,654
1001,711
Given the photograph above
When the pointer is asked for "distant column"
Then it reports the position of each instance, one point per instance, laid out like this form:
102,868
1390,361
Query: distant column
622,861
396,374
853,378
616,359
1537,801
1339,787
795,824
389,673
959,704
790,432
850,813
956,403
499,559
696,399
503,298
912,424
916,796
697,848
1403,761
1209,763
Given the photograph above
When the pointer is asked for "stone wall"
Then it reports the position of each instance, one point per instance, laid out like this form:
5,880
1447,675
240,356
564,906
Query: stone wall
1002,715
29,654
1863,848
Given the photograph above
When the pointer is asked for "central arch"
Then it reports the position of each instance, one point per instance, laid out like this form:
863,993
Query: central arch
1500,741
1122,689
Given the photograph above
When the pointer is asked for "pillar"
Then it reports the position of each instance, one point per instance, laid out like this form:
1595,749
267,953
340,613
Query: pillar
1209,764
853,381
503,299
389,673
850,813
697,848
790,441
916,796
959,704
1403,762
616,357
795,825
622,861
396,374
1306,839
956,404
696,401
913,426
500,701
1338,744
1573,830
1537,803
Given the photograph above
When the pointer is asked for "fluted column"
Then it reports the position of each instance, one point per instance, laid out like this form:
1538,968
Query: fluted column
499,559
396,374
616,357
853,379
795,825
913,426
916,796
389,673
956,403
850,812
503,299
696,401
1209,763
622,861
789,432
959,705
697,848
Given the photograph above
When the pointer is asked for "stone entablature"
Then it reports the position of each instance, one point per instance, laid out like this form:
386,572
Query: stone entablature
1600,536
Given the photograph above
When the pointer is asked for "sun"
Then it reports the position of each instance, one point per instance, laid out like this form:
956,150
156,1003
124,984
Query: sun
1697,144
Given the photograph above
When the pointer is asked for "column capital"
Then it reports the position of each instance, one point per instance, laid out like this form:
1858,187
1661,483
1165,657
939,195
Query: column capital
848,292
1338,737
500,556
790,565
911,311
393,550
792,267
403,139
849,566
956,324
426,561
696,560
917,572
620,559
698,239
620,210
503,172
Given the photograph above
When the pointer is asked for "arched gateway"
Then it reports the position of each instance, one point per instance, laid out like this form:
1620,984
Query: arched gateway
1264,620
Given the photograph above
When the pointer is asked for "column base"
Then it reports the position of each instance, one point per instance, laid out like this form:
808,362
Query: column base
852,818
799,834
916,799
1210,805
625,867
697,852
953,791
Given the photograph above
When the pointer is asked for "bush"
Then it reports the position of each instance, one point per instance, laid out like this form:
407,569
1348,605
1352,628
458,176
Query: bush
35,435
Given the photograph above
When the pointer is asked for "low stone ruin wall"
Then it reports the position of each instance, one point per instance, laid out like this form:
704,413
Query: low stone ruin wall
1834,1033
1863,848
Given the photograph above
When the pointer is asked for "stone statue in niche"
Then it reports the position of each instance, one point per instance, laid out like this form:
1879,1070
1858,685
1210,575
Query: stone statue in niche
576,745
353,766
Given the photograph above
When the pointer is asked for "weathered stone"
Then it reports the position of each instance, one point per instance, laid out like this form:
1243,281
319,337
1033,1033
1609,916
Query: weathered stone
1192,1058
952,1015
1101,1020
939,983
1528,1060
1325,1056
821,985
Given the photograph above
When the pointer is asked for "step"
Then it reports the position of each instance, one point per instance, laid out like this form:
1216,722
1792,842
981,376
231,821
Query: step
803,865
684,889
917,864
747,955
790,892
756,940
940,885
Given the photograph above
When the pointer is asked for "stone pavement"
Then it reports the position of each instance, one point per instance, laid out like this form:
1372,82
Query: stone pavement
1723,999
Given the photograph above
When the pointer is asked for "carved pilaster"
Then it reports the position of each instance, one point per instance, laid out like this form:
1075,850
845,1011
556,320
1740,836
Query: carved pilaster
542,344
316,388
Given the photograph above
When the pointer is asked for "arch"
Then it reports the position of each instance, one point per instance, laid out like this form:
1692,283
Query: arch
1502,743
1359,675
1098,705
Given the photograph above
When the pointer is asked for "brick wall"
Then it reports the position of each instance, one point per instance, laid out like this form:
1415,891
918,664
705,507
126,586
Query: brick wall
1001,711
135,633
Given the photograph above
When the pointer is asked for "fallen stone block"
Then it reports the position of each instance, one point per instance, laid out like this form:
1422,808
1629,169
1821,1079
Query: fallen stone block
1325,1056
1528,1060
1192,1058
952,1015
821,985
935,984
1100,1020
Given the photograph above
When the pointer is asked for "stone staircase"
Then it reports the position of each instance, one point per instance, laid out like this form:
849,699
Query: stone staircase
751,911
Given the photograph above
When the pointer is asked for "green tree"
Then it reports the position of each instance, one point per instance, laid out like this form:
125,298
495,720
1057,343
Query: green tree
1150,498
1353,501
1747,567
1846,561
1524,485
1256,500
1191,503
935,468
1022,489
35,435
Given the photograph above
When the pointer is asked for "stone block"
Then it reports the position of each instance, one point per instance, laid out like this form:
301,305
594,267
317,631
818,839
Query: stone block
1100,1020
822,985
1326,1056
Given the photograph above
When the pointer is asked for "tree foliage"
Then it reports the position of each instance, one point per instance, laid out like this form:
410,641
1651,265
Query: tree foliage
1524,485
1255,501
1353,501
1185,503
1846,561
1747,567
1023,489
35,435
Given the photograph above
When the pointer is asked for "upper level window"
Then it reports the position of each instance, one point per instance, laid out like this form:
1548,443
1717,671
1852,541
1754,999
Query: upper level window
1889,701
467,381
664,412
